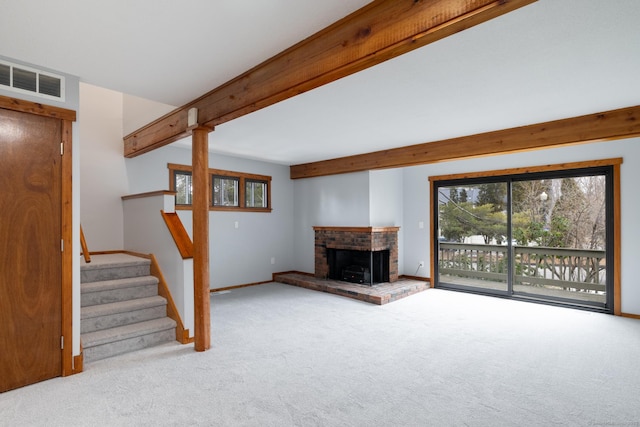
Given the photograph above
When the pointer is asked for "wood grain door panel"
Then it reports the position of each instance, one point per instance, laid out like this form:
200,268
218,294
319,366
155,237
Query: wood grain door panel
30,253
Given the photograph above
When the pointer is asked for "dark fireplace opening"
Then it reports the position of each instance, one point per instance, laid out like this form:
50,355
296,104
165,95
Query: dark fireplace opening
366,267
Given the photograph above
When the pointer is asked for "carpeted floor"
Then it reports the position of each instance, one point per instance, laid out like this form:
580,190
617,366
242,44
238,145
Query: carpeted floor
287,356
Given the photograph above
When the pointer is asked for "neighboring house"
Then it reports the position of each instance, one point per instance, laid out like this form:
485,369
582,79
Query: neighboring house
248,247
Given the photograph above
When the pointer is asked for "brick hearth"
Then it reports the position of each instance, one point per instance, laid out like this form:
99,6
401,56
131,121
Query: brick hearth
380,294
356,239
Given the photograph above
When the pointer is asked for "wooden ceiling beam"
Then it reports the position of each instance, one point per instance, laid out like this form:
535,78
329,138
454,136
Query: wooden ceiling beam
605,126
373,34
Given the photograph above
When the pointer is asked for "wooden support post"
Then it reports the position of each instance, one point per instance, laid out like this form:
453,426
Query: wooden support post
201,196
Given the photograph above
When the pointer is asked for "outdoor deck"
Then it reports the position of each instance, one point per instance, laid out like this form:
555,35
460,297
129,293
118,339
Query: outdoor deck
542,291
575,274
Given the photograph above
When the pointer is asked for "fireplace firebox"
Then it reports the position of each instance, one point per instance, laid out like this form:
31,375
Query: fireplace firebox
365,267
366,255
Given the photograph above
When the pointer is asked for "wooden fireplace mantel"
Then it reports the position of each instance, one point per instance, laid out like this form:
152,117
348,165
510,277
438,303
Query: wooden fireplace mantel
358,229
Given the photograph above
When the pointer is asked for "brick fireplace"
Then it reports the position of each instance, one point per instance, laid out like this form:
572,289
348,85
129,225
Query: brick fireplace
366,239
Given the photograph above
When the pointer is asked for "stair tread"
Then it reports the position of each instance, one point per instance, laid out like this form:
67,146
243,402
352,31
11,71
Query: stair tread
105,336
117,283
92,311
116,260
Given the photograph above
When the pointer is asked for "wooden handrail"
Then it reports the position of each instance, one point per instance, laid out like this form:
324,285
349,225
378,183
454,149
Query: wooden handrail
83,244
179,234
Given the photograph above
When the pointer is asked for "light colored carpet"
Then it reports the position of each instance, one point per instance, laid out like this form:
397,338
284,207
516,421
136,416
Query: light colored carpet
287,356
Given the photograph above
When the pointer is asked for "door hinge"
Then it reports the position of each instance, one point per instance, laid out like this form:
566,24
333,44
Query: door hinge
61,245
62,342
62,148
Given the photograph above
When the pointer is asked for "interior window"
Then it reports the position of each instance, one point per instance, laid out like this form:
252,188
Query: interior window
225,191
183,187
255,194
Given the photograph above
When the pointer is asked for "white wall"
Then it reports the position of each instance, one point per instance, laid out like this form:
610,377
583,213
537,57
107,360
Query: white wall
106,117
138,112
415,222
146,232
359,199
237,255
416,200
340,200
102,168
386,204
385,197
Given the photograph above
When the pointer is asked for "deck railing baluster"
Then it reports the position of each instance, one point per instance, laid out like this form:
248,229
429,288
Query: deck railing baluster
542,267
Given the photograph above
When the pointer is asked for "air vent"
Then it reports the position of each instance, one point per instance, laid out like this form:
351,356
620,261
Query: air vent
18,78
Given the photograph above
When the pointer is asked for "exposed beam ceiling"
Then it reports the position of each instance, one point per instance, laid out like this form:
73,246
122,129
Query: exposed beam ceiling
604,126
379,31
547,61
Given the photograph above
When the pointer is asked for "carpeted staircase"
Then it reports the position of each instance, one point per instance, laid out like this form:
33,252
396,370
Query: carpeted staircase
121,309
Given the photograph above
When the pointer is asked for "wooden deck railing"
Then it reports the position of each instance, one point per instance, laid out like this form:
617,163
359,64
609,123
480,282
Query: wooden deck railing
577,269
568,269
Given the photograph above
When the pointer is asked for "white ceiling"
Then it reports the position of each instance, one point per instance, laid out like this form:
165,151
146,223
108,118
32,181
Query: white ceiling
549,60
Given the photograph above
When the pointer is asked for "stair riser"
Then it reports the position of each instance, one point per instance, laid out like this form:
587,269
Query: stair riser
117,295
127,345
120,319
121,309
100,274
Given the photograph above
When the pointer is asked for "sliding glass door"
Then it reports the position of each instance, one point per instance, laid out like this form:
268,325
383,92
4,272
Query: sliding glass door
530,236
472,240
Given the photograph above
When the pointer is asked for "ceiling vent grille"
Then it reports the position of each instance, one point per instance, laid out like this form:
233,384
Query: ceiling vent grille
18,78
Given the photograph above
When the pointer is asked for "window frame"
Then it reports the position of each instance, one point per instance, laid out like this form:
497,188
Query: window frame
242,177
225,178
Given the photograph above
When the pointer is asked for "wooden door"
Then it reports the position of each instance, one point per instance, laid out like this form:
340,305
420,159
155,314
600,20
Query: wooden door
30,249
